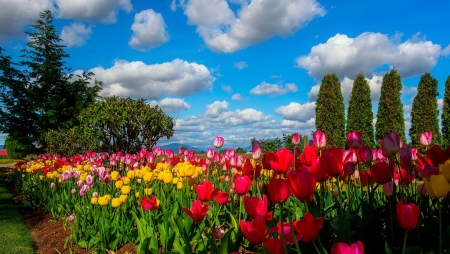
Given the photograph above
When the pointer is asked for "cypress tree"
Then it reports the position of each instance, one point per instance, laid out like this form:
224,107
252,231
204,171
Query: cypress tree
445,118
390,108
330,110
359,113
424,112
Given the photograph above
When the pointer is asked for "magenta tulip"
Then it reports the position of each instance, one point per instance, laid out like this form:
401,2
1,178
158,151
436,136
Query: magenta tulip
354,140
407,215
390,144
319,140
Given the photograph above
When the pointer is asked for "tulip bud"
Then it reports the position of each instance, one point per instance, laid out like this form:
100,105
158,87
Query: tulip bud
52,185
390,144
218,142
256,149
421,190
425,139
219,233
319,140
71,218
354,140
95,195
73,191
335,193
295,139
365,155
388,189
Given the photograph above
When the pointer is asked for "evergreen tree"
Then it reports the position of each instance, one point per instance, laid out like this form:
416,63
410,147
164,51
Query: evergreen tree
359,114
330,110
445,118
41,96
425,112
390,108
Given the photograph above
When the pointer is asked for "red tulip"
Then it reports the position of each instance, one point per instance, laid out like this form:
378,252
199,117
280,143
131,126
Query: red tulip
308,156
319,140
349,168
318,173
198,212
308,227
285,229
274,245
249,170
302,184
254,231
149,204
390,144
407,215
222,198
205,191
344,248
405,176
278,189
364,154
242,184
257,207
426,139
281,161
366,177
381,172
295,139
354,140
331,162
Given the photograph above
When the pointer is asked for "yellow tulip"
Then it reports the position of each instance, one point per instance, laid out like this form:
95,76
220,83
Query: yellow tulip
148,191
41,177
119,184
126,189
124,198
87,167
79,167
163,166
180,185
103,201
83,176
115,202
49,175
136,194
148,176
115,175
94,201
185,169
144,169
167,177
108,197
126,180
131,174
175,180
445,169
438,186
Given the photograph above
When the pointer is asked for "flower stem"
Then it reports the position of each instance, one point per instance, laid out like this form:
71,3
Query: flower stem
283,240
404,241
293,232
440,227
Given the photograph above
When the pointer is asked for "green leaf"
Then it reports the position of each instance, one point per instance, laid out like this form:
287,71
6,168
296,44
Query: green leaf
387,249
223,248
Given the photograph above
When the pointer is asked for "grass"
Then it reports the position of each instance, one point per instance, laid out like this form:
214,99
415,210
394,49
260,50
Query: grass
7,161
14,234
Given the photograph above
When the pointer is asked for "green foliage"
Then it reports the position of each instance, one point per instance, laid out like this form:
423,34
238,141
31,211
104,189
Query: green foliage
16,147
390,108
424,112
287,142
359,114
271,145
240,150
330,110
39,95
445,118
125,124
71,141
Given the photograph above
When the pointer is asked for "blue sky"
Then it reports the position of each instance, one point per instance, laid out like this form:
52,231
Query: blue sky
241,68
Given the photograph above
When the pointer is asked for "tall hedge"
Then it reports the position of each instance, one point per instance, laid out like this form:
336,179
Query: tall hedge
390,108
330,110
424,112
445,118
359,113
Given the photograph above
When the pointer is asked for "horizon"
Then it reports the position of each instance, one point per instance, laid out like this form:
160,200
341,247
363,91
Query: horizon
241,69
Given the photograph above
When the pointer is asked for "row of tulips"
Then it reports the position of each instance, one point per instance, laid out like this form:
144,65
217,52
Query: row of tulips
324,200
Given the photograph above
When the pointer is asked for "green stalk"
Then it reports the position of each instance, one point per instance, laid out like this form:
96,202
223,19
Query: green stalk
404,242
339,196
440,227
283,240
293,232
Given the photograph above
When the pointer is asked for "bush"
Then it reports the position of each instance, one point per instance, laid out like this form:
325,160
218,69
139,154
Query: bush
16,148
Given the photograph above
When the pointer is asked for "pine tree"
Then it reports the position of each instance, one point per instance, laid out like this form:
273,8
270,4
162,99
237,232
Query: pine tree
359,114
390,108
330,110
41,96
425,112
445,118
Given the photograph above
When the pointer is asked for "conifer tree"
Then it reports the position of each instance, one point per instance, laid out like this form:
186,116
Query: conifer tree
359,113
445,118
330,110
390,108
425,112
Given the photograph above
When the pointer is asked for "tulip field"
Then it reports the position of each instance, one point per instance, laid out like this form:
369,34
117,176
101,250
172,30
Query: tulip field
326,199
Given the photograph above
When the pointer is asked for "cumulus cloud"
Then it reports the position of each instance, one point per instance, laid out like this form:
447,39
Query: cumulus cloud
14,15
149,31
227,88
254,22
171,105
240,65
273,89
75,34
138,80
348,56
216,108
297,111
104,11
238,97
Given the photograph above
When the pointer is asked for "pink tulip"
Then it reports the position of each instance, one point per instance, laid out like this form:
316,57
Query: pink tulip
218,142
354,140
344,248
256,149
319,140
390,144
295,139
426,138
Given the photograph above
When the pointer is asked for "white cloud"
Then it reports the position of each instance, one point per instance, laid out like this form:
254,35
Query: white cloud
440,103
348,56
227,88
14,15
138,80
238,97
256,21
75,34
149,31
216,108
240,65
171,105
273,89
297,111
313,92
104,11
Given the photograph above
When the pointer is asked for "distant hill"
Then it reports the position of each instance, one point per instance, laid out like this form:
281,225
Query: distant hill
174,147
